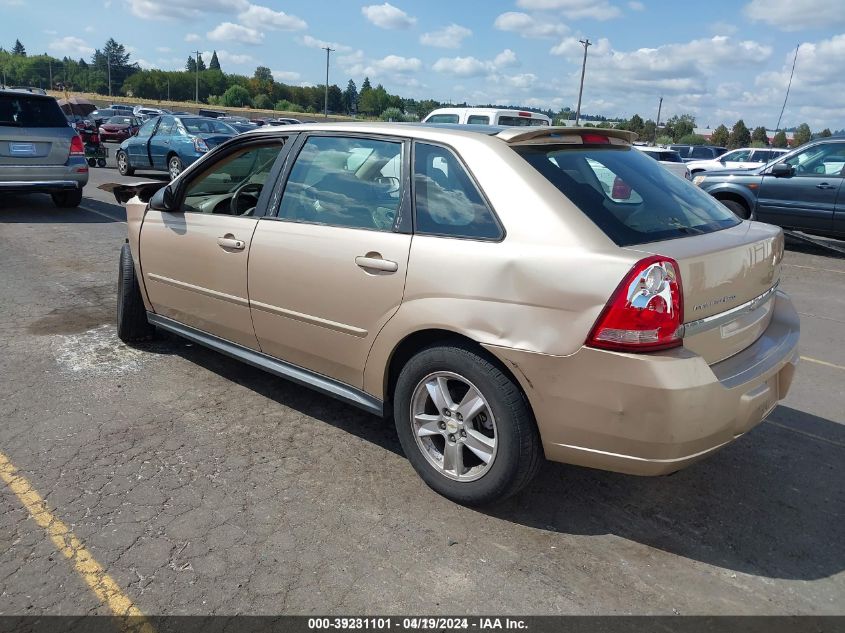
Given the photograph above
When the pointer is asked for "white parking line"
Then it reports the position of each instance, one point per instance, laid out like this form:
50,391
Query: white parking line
821,362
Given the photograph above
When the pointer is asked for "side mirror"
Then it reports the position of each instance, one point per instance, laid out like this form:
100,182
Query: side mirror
782,170
163,200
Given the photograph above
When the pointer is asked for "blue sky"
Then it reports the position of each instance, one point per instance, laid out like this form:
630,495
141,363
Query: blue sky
719,60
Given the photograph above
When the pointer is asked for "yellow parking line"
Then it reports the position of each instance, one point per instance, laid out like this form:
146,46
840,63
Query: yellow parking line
103,586
821,362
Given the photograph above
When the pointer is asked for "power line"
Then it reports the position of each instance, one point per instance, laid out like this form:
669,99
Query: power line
586,44
794,59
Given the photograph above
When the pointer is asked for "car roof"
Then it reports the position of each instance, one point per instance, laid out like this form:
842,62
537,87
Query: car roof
23,91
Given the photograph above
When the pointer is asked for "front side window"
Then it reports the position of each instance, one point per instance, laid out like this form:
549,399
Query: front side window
233,184
348,182
827,159
147,129
630,197
165,128
446,200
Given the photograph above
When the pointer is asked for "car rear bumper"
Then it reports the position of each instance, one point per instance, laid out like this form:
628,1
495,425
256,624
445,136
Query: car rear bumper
48,179
652,414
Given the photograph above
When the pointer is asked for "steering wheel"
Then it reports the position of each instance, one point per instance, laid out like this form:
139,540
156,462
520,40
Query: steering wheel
251,189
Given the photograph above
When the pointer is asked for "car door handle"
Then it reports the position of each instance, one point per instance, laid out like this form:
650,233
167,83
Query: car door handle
825,185
228,241
377,263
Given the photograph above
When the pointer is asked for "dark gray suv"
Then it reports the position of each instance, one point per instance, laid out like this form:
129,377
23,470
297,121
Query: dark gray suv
39,151
802,190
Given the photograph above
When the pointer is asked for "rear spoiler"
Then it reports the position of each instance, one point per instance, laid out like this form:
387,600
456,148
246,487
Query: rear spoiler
559,134
124,193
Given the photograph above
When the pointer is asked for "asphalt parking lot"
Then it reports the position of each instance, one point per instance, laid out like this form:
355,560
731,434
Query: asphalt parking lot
203,486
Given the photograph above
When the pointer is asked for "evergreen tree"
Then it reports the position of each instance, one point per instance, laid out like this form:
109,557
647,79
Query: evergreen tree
779,139
19,49
214,64
720,136
740,136
191,64
201,63
825,133
350,97
365,87
802,135
759,135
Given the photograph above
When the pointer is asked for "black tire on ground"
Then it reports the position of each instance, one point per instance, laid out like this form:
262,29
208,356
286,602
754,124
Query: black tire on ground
174,166
519,452
123,166
738,208
101,162
132,324
92,162
67,199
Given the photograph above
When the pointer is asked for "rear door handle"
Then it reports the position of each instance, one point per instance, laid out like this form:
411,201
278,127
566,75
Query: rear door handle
228,241
824,185
377,263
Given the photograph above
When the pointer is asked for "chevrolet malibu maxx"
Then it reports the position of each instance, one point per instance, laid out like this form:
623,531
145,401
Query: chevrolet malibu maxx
505,295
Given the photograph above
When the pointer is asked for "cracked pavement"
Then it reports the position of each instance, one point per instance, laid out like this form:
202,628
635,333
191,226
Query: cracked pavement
204,486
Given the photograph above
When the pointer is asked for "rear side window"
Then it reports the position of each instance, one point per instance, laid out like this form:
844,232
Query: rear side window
443,118
24,110
478,119
446,200
702,152
629,196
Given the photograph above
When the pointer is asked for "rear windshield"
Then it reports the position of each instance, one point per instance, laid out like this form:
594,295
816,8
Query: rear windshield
27,111
521,121
629,196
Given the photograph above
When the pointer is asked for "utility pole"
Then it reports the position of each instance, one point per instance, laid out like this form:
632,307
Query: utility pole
108,64
657,125
168,88
586,44
329,51
50,66
197,53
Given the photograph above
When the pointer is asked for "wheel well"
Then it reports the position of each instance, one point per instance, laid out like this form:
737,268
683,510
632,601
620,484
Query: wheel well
413,343
171,154
735,197
696,171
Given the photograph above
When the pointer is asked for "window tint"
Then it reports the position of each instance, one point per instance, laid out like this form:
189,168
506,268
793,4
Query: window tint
147,128
629,196
478,119
827,159
447,202
233,184
165,128
26,111
443,118
519,121
351,182
701,152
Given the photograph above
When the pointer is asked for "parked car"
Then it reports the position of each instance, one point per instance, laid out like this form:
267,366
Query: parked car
240,123
39,151
171,143
102,115
144,112
503,307
121,107
670,159
745,158
119,128
486,116
801,190
284,121
699,152
214,114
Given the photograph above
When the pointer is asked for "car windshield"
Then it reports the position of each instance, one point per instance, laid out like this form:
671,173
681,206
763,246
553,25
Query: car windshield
121,120
204,125
628,195
21,110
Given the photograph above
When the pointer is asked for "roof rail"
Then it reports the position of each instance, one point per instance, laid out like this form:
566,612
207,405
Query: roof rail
550,134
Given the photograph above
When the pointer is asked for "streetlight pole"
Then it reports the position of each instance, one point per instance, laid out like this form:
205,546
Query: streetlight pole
197,93
326,104
657,125
586,44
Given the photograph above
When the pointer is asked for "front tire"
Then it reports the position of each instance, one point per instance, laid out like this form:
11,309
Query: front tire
465,425
123,166
174,166
132,324
67,199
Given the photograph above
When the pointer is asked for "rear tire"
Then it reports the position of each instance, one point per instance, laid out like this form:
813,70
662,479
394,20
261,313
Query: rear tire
509,435
132,324
739,209
67,199
123,166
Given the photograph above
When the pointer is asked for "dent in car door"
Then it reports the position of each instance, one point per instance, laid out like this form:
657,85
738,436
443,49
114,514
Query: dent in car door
329,272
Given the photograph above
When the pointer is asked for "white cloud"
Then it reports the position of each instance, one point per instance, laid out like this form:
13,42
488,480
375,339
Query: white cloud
183,9
313,42
144,64
386,16
286,75
192,37
574,9
89,29
473,67
451,36
528,25
70,46
794,15
227,58
259,17
636,5
391,66
230,32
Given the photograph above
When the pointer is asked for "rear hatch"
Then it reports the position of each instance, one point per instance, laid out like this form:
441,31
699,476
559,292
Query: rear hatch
727,267
33,131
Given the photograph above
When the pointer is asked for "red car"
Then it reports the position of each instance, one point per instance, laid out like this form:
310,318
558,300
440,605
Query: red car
119,128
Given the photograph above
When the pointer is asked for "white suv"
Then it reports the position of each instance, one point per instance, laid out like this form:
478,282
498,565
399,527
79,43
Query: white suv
744,158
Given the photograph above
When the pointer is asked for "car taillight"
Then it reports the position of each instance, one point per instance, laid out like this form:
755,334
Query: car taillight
594,139
200,145
645,312
77,148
